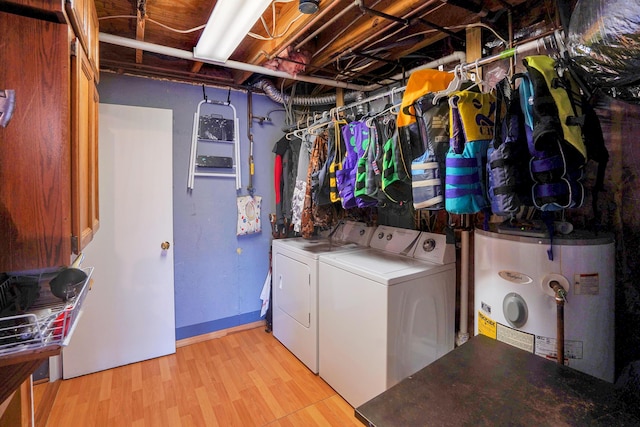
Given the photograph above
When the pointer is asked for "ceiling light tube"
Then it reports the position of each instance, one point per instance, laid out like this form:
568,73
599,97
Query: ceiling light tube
228,24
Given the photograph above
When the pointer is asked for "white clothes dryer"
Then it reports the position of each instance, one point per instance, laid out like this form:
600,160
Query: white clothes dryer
515,304
295,286
384,312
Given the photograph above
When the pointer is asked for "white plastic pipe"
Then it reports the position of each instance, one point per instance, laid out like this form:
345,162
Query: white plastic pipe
185,54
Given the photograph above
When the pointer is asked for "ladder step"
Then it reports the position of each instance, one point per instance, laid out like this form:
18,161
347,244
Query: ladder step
214,162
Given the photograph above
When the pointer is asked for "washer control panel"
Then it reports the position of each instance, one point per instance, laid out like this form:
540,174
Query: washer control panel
434,248
393,239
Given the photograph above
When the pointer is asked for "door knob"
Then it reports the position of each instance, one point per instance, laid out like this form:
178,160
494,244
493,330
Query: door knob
165,245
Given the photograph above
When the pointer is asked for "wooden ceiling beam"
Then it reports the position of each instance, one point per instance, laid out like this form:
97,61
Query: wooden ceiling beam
141,14
261,51
368,28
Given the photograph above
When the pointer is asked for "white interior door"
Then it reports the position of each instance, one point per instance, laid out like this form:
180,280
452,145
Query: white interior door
128,316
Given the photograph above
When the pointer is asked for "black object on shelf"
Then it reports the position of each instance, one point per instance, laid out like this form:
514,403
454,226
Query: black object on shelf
214,162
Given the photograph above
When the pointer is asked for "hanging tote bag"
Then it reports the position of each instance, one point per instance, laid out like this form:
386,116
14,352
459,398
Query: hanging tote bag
248,215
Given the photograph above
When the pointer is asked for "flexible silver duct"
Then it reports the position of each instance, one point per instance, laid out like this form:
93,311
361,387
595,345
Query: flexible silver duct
604,42
306,100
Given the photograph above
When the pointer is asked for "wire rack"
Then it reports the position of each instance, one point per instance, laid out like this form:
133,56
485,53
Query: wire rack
48,321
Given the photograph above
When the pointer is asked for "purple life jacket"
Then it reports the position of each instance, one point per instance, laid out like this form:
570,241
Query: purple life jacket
356,139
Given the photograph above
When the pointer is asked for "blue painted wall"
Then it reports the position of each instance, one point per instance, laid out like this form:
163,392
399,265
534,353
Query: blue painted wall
218,275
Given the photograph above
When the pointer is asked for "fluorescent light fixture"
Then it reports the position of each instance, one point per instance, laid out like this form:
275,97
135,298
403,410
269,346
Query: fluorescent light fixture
228,24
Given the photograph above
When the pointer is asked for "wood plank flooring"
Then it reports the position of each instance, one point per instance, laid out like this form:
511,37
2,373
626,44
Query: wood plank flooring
243,379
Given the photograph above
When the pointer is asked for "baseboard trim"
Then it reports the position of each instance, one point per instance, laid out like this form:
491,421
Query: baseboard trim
218,334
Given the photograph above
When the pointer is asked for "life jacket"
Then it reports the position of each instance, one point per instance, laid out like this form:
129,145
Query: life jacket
369,177
336,162
364,173
558,152
508,185
471,120
321,189
396,170
420,84
382,129
562,113
427,170
356,138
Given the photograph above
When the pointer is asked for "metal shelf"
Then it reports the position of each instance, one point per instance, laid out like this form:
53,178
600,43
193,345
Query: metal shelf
48,322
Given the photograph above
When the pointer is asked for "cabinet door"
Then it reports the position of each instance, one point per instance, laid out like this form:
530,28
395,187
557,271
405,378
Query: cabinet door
94,43
84,21
93,160
84,174
35,224
77,10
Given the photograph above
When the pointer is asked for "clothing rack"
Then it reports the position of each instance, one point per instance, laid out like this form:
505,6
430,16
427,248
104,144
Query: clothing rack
550,41
334,111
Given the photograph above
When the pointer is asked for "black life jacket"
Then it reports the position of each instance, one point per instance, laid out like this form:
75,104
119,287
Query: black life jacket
508,183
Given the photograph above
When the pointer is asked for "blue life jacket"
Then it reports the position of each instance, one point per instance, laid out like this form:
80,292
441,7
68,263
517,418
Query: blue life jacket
471,122
428,169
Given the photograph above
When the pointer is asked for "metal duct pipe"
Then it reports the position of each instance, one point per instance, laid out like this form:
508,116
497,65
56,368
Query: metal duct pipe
306,100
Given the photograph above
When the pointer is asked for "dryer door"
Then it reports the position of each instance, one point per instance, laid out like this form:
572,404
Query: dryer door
292,289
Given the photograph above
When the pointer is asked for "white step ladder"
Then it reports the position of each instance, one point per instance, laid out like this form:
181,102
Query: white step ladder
196,169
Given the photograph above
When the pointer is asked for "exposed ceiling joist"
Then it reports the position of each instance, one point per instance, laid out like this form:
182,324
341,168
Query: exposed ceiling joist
351,42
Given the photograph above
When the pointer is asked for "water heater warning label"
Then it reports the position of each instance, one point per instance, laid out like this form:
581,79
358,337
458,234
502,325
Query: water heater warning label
547,347
486,326
516,338
586,284
505,334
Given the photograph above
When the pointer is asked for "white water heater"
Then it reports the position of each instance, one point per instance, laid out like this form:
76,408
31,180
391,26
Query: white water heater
515,304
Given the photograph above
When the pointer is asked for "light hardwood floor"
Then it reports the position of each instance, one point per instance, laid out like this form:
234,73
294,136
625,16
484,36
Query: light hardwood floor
243,379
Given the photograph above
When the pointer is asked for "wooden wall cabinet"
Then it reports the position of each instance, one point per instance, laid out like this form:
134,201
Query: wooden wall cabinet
48,150
84,150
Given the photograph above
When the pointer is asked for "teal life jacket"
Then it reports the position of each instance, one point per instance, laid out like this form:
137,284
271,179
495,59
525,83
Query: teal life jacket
471,119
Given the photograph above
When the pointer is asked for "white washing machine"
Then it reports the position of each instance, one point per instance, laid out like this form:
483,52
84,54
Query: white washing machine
515,304
384,312
295,286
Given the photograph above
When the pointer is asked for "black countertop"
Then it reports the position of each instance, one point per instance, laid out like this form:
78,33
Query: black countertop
486,382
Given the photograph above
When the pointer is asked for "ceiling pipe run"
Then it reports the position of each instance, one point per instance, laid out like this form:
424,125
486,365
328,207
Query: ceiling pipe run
269,89
185,54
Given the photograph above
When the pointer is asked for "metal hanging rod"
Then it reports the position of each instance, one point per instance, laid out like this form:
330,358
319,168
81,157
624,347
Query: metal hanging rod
550,41
553,41
390,92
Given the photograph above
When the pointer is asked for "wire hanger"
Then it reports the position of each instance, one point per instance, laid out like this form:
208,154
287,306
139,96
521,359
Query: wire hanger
478,81
454,85
393,109
321,122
